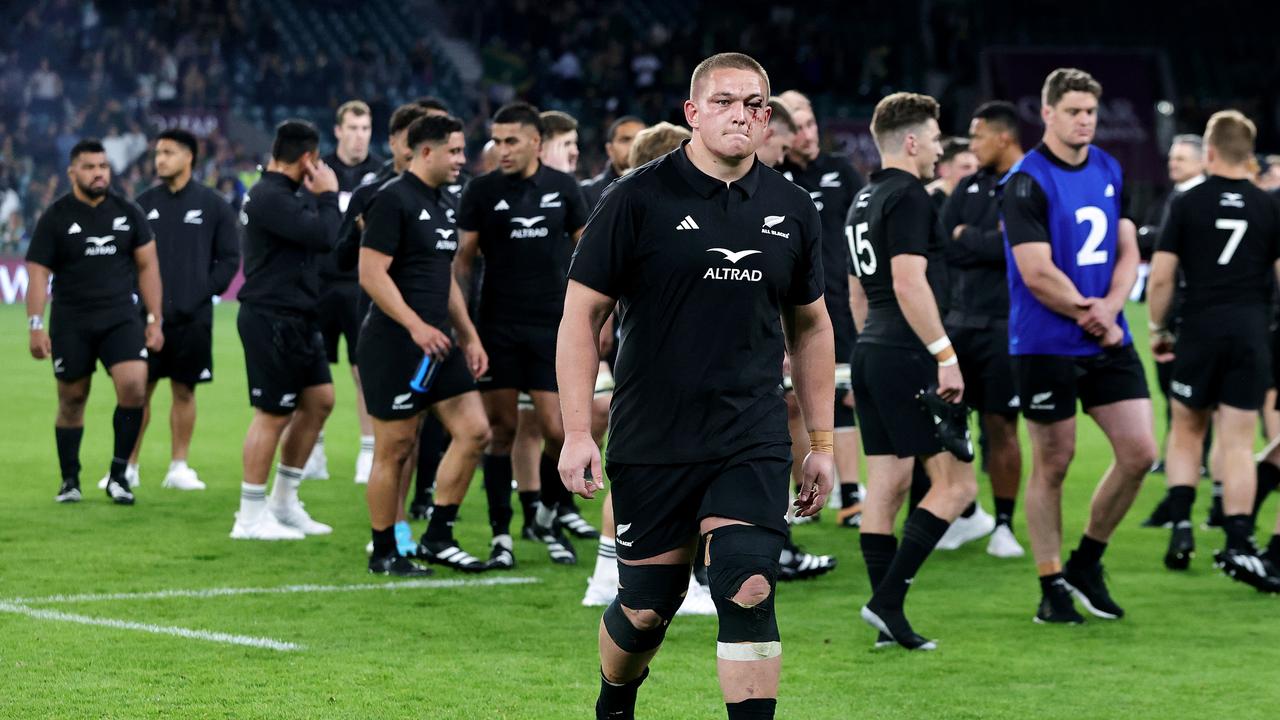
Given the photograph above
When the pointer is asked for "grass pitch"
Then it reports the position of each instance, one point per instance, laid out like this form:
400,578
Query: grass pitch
79,643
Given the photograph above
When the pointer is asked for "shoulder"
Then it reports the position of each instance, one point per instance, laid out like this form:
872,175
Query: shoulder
775,186
558,179
147,198
483,183
124,204
838,162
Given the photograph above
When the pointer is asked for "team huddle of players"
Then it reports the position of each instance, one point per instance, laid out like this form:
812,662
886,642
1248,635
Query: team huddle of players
959,277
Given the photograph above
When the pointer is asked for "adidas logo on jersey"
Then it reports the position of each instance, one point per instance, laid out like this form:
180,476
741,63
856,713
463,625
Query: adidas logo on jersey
502,205
401,402
973,189
551,200
831,179
1110,191
424,215
154,214
193,217
74,229
688,224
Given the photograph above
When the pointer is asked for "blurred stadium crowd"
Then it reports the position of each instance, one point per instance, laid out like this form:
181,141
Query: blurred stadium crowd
230,69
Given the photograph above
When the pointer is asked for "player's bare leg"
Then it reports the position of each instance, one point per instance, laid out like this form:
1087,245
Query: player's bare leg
463,416
393,449
1004,466
1182,471
554,500
364,459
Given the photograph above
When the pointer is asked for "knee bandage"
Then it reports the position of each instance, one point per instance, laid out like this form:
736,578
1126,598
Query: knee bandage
735,554
658,588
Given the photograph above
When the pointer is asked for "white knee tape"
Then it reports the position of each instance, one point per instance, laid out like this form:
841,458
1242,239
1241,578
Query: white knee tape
746,652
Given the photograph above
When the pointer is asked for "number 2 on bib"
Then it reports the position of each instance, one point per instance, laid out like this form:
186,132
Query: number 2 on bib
1089,253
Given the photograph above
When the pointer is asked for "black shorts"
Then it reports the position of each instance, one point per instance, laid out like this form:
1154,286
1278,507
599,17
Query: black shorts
283,355
986,368
886,381
660,507
521,357
80,340
1049,385
187,355
339,312
388,359
1222,359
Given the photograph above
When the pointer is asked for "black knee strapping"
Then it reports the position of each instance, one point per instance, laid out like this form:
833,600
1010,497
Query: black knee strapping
736,553
658,588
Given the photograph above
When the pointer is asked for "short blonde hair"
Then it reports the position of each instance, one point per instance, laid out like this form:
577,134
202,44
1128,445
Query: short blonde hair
728,61
359,108
656,141
1232,135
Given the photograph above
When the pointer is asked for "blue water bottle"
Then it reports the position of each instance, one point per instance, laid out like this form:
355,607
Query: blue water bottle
425,375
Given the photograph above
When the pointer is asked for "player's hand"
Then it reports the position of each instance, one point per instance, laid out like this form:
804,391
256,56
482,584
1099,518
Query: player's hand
950,383
319,178
1097,318
815,483
41,347
847,399
154,336
955,234
1114,337
1162,346
477,358
580,467
431,340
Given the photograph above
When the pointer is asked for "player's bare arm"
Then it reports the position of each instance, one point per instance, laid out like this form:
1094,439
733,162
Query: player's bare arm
577,361
150,290
468,338
920,308
811,348
1047,282
37,294
1164,268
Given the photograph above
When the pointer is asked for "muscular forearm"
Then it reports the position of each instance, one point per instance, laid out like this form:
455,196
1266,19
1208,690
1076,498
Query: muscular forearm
577,362
149,288
37,289
1160,287
1125,273
857,303
458,314
1055,291
919,307
813,371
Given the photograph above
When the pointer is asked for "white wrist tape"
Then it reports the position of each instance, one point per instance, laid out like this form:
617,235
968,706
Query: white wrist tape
953,360
938,345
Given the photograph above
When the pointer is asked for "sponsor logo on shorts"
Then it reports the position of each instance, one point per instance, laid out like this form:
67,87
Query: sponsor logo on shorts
551,200
401,402
1040,401
193,217
622,530
288,400
143,354
57,365
1180,389
256,392
205,374
1015,402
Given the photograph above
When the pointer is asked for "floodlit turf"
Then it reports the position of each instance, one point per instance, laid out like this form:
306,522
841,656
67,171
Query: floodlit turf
1194,644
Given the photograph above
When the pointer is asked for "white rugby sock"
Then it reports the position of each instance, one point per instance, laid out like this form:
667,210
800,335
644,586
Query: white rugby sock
366,443
285,491
253,500
606,561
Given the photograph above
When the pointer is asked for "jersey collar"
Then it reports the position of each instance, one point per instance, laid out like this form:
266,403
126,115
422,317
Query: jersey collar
707,186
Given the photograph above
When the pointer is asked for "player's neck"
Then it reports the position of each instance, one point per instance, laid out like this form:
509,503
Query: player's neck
1064,152
349,158
178,182
1008,160
726,170
1228,171
530,169
421,174
293,171
899,162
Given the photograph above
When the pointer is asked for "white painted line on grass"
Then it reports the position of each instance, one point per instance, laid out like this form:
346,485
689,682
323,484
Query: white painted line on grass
284,589
206,635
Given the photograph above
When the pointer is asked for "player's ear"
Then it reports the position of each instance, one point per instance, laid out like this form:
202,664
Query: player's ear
691,114
1045,112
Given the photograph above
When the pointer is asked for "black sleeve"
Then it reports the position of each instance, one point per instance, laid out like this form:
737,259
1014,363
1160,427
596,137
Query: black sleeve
226,248
43,249
311,223
1126,202
382,224
576,209
852,179
346,254
1172,232
603,255
908,223
1025,210
807,278
470,207
142,233
976,247
952,207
